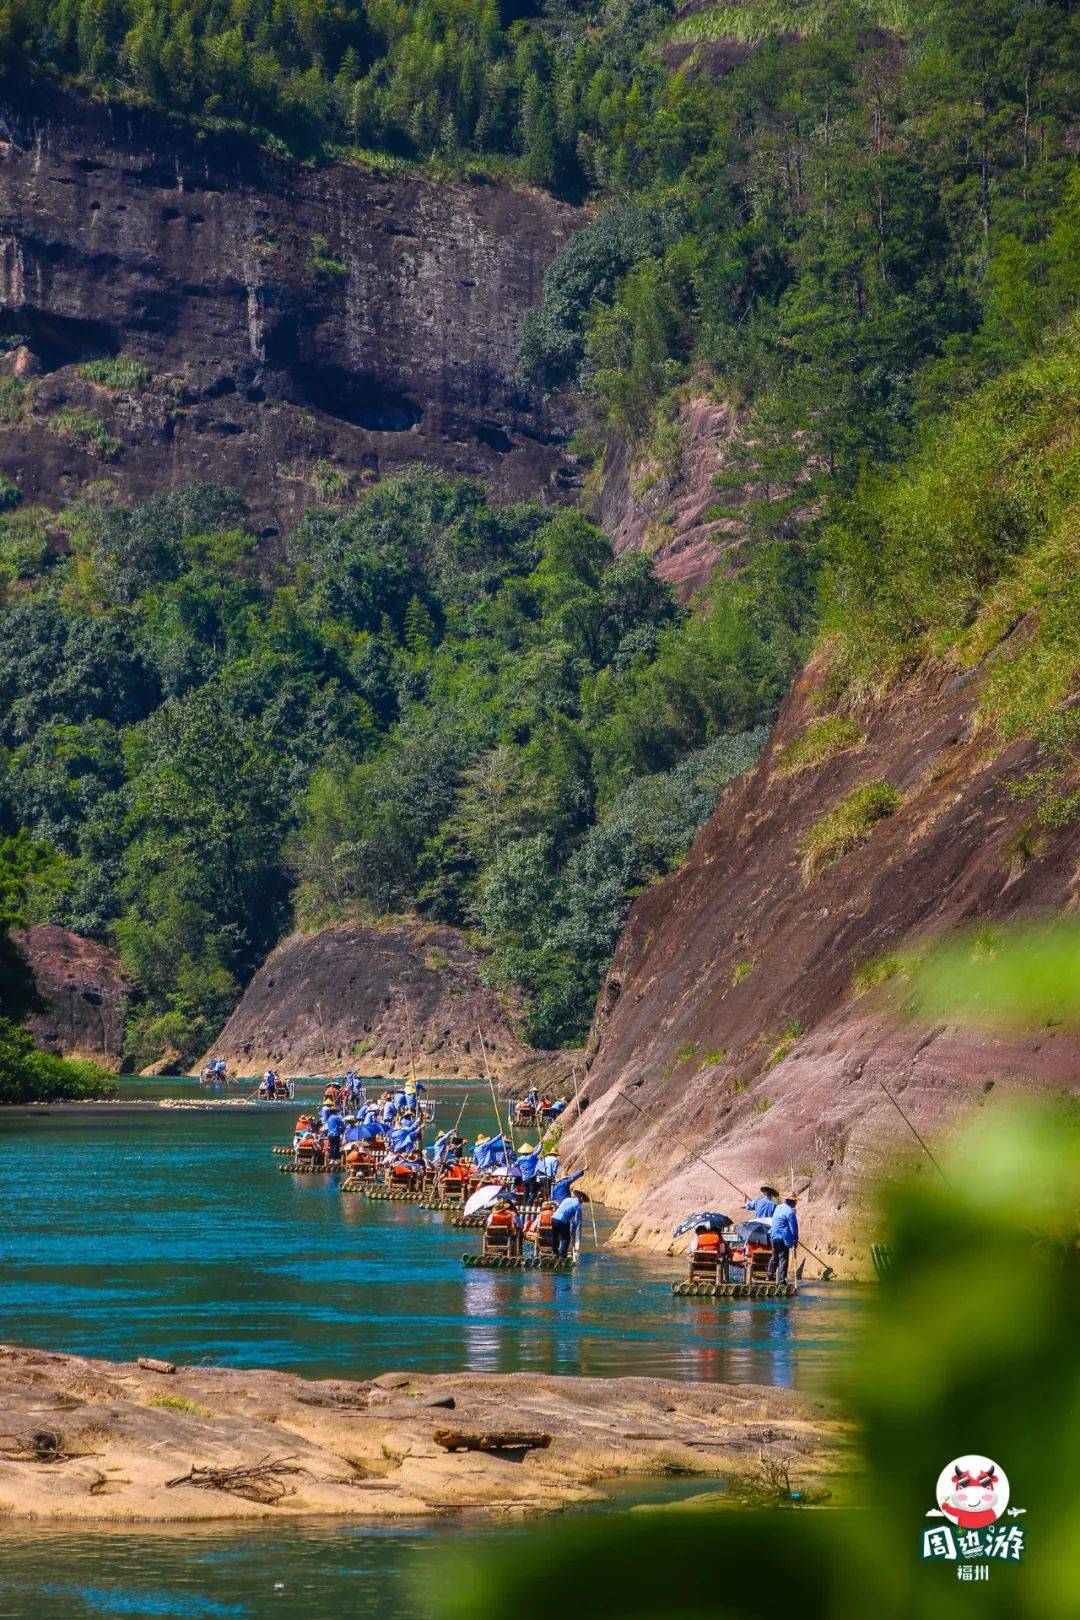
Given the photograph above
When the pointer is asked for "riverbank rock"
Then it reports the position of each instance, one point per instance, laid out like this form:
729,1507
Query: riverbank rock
748,1012
94,1440
85,991
348,995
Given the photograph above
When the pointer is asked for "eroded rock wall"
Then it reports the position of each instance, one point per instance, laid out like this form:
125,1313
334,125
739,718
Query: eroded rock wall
730,1018
673,513
350,995
85,991
288,314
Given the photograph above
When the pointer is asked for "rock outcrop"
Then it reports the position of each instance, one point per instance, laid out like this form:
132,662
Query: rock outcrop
299,326
85,991
732,1017
672,514
352,993
99,1440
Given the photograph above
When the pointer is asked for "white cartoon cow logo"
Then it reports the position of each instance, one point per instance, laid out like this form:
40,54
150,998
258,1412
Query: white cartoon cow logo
973,1492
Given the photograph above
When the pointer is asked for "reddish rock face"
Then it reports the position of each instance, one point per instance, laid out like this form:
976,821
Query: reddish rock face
287,314
346,996
731,995
670,516
85,991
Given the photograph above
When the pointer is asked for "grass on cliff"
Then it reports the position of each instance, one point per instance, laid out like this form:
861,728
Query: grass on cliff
972,556
846,826
121,373
12,399
821,741
80,427
755,21
945,559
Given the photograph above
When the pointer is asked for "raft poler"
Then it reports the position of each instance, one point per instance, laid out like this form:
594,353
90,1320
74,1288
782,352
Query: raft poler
560,1188
405,1137
335,1129
525,1170
566,1224
441,1150
490,1152
764,1207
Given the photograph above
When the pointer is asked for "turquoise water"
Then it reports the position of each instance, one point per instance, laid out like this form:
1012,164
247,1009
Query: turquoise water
321,1571
172,1233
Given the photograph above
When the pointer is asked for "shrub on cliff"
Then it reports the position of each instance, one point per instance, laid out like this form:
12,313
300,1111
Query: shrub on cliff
27,1075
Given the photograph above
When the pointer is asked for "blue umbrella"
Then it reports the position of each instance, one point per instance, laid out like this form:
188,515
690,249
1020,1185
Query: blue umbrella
715,1223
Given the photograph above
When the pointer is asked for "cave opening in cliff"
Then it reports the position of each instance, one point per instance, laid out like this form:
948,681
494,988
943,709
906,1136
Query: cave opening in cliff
356,397
57,340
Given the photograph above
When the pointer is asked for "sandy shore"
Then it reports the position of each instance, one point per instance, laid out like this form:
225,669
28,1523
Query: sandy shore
97,1440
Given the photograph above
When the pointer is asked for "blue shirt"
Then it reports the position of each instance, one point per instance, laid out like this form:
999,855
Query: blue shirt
487,1154
334,1125
762,1207
569,1211
526,1164
561,1189
785,1226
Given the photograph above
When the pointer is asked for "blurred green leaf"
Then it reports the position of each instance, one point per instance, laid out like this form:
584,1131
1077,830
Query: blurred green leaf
1022,978
969,1347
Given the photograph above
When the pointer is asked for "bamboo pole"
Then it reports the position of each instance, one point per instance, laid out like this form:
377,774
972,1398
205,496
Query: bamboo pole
494,1098
915,1134
408,1029
585,1156
325,1048
824,1264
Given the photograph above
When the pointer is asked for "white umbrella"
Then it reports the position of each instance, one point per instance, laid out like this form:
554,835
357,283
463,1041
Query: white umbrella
482,1198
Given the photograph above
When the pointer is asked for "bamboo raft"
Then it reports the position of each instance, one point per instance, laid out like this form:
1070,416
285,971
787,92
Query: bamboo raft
382,1194
306,1169
506,1262
758,1290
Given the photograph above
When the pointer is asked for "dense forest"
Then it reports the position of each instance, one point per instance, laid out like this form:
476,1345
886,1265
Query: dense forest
430,705
854,219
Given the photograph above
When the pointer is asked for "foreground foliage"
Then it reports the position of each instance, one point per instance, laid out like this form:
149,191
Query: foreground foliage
943,1365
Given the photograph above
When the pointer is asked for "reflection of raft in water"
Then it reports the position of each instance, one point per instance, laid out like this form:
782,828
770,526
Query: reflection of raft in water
520,1262
735,1290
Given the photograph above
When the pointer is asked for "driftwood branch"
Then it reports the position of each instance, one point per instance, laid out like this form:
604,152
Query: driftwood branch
505,1440
46,1446
261,1481
152,1364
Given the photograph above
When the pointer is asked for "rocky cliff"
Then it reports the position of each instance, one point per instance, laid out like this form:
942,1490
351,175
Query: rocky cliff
743,1015
85,990
298,327
673,511
350,995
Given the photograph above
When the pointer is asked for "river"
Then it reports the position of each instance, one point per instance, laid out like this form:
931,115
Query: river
173,1233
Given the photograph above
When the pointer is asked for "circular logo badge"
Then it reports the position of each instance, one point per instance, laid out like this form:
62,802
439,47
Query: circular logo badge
972,1492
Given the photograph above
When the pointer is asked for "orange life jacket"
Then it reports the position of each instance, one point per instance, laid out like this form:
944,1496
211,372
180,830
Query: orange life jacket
500,1220
707,1243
